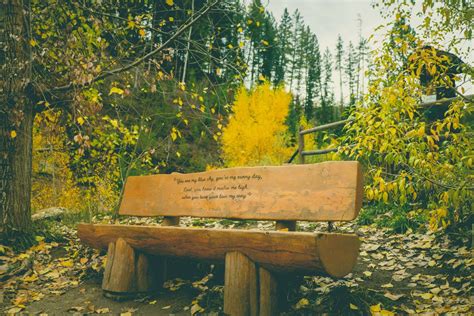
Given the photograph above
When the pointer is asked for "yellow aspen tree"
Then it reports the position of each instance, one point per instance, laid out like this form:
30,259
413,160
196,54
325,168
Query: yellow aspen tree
256,133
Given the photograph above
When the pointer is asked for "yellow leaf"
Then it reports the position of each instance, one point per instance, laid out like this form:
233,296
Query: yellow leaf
169,2
171,19
67,263
426,296
33,42
230,46
104,310
302,303
114,123
178,154
421,131
202,109
131,24
80,121
116,91
13,134
141,32
83,260
240,30
353,307
173,136
367,273
375,308
201,99
30,278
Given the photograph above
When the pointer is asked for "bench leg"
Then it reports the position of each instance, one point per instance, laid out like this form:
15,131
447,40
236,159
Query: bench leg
240,291
128,272
268,293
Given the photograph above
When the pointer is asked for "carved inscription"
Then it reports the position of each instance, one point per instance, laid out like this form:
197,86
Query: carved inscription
219,187
327,191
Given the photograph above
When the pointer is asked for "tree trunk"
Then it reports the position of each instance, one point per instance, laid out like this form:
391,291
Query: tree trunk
16,118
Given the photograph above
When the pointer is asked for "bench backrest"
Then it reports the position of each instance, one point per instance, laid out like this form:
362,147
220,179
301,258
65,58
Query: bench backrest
328,191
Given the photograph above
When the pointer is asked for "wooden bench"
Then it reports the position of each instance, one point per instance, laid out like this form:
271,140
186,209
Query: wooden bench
329,191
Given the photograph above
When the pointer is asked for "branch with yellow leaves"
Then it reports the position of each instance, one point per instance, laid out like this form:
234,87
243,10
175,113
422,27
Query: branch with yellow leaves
142,59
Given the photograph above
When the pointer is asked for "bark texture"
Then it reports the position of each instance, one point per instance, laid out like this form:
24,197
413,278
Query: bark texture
16,117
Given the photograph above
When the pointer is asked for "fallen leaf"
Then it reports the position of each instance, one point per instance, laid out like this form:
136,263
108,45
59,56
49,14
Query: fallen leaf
14,310
353,307
166,307
367,273
426,296
388,285
435,290
196,309
393,297
67,263
104,310
375,308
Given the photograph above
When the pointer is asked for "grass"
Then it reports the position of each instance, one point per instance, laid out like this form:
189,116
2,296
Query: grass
397,218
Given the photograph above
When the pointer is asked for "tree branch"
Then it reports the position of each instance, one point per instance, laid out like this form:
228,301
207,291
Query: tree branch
142,59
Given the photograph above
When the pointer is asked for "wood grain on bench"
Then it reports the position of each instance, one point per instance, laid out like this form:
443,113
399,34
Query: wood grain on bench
335,254
329,191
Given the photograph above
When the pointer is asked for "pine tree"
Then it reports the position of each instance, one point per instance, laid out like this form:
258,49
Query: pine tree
327,98
350,72
339,67
283,47
295,42
313,77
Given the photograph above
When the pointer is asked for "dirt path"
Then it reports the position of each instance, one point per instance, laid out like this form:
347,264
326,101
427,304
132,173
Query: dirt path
396,273
88,298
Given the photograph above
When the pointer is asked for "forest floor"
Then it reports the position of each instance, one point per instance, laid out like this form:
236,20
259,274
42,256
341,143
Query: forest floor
407,273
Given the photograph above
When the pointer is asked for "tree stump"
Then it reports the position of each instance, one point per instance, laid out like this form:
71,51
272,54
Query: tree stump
127,272
240,291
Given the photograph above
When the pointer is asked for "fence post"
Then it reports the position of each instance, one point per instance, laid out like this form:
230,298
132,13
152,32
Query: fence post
300,145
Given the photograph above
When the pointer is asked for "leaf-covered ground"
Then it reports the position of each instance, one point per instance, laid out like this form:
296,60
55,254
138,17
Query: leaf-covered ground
407,273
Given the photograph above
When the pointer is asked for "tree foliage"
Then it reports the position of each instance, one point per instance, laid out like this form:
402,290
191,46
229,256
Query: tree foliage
256,133
414,162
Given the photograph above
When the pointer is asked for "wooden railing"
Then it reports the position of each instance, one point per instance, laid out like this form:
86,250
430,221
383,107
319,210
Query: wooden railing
301,153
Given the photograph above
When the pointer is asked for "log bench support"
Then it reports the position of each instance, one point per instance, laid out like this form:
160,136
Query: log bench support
249,289
128,272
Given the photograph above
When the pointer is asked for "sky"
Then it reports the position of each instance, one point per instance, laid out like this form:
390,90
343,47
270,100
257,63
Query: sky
327,18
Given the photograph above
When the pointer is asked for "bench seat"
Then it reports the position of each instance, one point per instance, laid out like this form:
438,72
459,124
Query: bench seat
334,254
